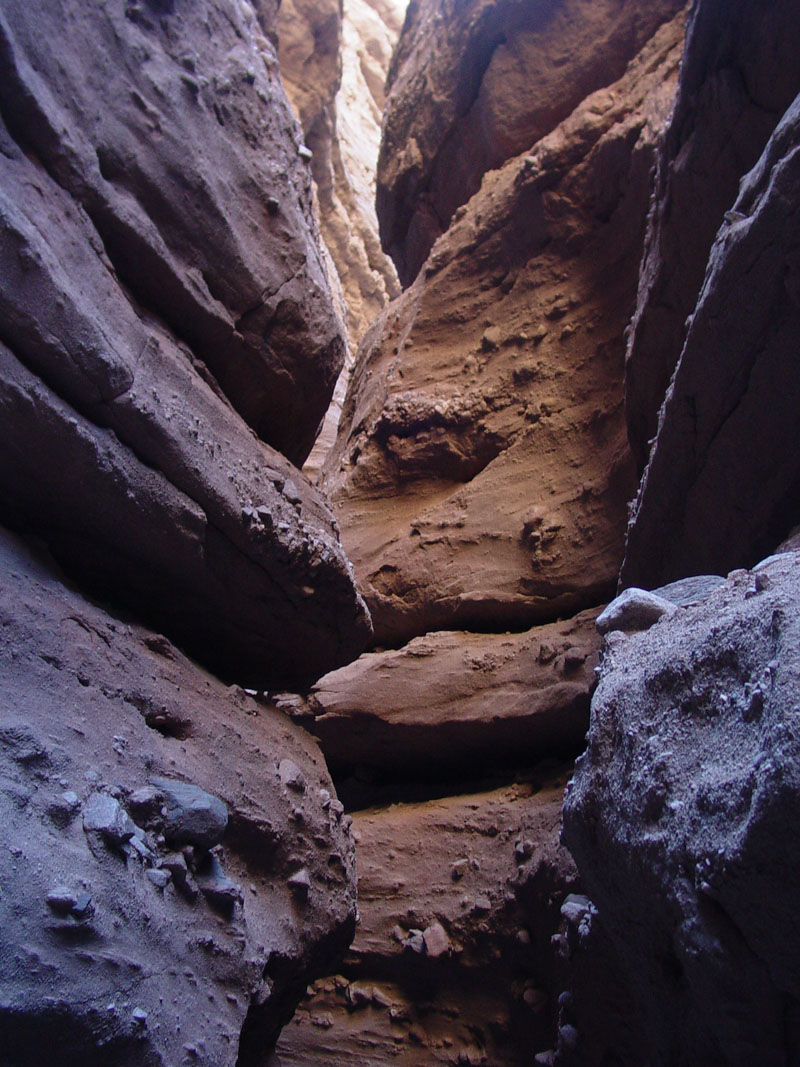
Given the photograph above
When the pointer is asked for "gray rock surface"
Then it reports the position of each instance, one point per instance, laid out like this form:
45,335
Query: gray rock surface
120,450
191,815
720,488
682,820
738,76
166,124
690,590
110,953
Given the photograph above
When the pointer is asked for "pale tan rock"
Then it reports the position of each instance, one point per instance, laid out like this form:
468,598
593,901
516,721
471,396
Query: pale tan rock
481,472
476,82
468,1003
454,702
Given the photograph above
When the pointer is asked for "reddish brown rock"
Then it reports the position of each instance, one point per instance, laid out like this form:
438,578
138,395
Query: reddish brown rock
459,702
169,128
118,945
738,76
474,83
720,490
481,473
452,961
120,452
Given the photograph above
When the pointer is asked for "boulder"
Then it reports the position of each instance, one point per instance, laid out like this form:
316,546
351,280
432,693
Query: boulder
453,960
455,703
481,473
681,819
719,491
118,449
738,76
165,123
109,953
475,83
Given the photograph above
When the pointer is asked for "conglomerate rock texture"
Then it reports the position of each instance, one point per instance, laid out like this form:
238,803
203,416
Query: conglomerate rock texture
120,944
681,819
481,472
475,83
452,961
738,77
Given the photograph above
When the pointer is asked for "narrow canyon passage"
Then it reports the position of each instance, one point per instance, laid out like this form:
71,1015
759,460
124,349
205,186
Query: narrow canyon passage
398,533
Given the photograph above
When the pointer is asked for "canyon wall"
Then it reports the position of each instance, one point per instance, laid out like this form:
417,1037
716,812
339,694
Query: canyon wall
176,866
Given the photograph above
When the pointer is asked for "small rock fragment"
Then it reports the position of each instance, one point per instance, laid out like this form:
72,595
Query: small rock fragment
158,877
291,776
61,900
105,815
300,884
215,885
633,610
191,816
436,940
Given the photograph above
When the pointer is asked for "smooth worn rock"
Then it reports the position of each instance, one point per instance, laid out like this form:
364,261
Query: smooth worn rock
168,129
738,76
690,590
84,924
480,480
681,819
431,978
476,82
191,816
457,702
116,449
719,491
632,610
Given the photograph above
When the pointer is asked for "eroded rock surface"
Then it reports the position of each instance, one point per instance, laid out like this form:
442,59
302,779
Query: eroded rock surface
121,764
452,960
481,472
119,448
455,703
169,128
721,486
681,820
738,76
474,83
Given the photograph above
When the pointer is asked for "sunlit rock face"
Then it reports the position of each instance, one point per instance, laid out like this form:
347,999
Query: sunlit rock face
481,472
474,83
334,59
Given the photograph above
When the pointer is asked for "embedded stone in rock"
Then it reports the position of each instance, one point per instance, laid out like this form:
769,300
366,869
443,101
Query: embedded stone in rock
191,815
476,83
170,130
634,609
738,77
682,821
708,501
508,469
108,936
105,815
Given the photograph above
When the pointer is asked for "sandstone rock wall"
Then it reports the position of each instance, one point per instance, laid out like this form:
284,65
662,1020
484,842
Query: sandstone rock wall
475,83
481,471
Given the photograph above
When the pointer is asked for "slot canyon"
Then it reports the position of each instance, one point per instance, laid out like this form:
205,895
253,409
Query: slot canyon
403,668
